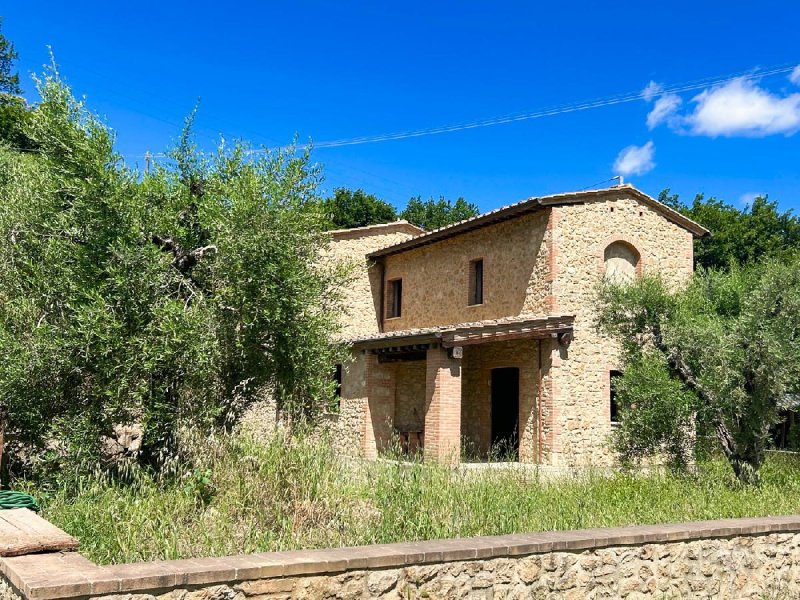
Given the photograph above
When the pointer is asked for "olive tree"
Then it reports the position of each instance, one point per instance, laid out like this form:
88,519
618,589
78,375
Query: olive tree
720,355
161,299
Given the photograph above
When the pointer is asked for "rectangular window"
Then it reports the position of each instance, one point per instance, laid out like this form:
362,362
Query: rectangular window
613,407
394,300
337,377
476,281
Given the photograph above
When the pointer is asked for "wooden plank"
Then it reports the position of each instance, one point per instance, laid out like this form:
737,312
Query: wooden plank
449,342
22,531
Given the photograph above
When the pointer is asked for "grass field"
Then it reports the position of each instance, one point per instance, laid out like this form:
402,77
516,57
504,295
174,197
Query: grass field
243,496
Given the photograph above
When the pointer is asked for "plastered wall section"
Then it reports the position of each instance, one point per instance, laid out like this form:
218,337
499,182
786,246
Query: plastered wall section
578,385
436,277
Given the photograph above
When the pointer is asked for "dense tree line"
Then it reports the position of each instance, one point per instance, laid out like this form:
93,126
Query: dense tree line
347,209
739,235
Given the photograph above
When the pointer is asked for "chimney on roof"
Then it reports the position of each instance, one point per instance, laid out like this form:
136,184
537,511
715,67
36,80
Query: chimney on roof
620,180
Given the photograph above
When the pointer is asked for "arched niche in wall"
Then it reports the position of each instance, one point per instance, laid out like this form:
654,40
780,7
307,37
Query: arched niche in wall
622,262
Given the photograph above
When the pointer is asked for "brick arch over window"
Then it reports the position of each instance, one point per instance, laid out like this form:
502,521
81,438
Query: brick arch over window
621,261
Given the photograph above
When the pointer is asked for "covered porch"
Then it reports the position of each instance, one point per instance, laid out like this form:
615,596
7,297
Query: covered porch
464,392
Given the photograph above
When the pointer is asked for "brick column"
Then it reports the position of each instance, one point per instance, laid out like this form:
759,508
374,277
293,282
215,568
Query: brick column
379,417
442,407
550,409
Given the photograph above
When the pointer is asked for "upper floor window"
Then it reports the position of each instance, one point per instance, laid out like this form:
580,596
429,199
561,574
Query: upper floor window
621,262
476,281
394,299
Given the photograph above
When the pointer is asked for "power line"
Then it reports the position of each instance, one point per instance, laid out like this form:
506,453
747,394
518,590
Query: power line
594,185
525,116
556,110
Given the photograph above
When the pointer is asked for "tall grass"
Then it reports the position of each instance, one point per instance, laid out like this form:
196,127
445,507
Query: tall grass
240,495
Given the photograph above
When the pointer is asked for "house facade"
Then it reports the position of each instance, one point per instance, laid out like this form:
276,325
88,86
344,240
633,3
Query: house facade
480,338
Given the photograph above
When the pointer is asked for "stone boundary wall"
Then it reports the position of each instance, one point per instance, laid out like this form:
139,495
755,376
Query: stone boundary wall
733,558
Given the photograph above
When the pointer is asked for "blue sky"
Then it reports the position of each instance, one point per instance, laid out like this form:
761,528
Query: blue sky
327,71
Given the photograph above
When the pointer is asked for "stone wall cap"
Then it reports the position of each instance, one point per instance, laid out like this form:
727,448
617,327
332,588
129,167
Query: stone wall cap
69,575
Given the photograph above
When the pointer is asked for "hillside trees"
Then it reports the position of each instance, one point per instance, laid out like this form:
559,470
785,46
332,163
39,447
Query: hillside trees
739,236
13,109
432,214
347,209
167,299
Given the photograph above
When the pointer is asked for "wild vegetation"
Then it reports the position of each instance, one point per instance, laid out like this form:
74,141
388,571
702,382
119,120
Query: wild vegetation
163,299
238,495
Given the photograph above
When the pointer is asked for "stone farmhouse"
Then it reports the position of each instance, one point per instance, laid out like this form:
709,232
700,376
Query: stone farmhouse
481,334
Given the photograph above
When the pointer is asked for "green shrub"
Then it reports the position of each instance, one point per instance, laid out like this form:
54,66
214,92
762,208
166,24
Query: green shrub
166,299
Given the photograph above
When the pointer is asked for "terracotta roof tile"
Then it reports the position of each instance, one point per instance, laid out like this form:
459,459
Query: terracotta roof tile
538,203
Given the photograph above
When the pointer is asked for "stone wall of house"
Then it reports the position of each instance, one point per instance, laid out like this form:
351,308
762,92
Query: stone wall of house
436,277
409,407
548,262
581,373
348,426
361,295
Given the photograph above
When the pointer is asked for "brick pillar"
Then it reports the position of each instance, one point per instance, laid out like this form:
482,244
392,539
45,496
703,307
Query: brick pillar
379,417
551,402
442,407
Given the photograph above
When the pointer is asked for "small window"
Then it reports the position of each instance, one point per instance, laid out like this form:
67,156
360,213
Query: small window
476,281
613,406
394,301
337,378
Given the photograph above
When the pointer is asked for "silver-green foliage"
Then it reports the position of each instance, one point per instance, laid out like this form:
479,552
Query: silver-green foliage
723,354
172,297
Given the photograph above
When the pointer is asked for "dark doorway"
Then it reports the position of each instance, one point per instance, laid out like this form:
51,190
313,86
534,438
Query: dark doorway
505,413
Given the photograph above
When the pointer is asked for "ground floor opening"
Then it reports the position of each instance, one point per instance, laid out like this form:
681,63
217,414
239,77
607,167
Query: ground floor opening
474,396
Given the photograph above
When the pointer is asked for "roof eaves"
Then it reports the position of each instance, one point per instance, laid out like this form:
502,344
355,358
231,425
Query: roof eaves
401,225
530,205
695,228
429,237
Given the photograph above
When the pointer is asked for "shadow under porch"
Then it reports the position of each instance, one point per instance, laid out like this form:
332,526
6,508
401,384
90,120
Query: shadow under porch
452,394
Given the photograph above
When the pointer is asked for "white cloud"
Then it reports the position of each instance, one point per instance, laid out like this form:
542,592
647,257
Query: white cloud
794,76
652,90
664,110
635,160
748,198
742,108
